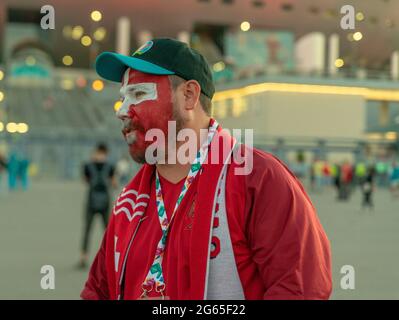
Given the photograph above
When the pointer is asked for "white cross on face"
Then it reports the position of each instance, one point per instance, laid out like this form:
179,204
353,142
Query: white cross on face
135,93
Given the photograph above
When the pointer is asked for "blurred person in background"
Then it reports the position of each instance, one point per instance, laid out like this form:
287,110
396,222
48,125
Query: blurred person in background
381,170
394,179
335,174
300,167
23,172
283,253
346,177
3,172
317,173
312,177
360,172
326,174
13,168
99,174
368,186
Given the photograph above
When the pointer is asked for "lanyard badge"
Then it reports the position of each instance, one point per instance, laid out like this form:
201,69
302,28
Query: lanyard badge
154,278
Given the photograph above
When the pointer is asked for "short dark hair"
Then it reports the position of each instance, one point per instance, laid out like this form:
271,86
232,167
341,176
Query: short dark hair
102,147
206,102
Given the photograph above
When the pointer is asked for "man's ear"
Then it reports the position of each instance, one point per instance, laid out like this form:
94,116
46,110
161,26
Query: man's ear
192,91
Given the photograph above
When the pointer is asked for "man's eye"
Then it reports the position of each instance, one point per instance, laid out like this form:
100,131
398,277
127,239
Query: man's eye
139,94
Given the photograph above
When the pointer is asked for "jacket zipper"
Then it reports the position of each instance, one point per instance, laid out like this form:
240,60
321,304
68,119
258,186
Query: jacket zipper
122,276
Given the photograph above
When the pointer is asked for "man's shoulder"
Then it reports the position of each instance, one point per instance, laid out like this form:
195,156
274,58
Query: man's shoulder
260,165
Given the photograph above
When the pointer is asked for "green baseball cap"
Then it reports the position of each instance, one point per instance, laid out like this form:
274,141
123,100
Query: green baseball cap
162,56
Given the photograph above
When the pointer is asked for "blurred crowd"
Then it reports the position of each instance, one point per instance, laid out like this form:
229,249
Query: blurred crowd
346,176
14,172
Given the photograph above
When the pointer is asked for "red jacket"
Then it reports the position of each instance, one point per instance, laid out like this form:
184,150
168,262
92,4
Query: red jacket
280,248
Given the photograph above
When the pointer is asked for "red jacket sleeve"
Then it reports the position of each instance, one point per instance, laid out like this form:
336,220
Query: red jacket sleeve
96,286
287,241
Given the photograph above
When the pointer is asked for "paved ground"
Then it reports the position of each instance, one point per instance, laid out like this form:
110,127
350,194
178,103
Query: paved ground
43,227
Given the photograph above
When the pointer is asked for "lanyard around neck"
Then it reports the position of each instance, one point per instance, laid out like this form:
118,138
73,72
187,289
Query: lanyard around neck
155,274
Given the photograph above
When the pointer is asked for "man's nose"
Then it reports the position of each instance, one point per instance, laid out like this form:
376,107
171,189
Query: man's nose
123,111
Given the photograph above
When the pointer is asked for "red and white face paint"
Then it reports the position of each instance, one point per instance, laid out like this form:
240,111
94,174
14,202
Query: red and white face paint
146,104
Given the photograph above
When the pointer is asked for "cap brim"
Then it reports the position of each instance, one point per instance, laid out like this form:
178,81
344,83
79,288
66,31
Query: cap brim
111,66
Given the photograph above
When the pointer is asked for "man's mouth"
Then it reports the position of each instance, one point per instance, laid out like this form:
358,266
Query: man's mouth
129,131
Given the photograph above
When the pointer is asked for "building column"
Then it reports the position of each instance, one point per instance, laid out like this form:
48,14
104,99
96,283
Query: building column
333,53
123,36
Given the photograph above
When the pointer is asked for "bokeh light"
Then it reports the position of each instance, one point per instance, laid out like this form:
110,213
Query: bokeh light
81,82
339,63
22,128
86,41
359,16
67,31
97,85
67,60
67,84
96,15
100,34
357,36
77,32
219,66
12,127
245,26
117,105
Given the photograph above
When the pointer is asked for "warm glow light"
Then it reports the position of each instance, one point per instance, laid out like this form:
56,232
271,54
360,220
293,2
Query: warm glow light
339,63
86,41
245,26
99,34
221,110
12,127
1,126
96,15
67,60
1,75
30,61
1,96
374,136
391,135
77,32
357,36
367,93
239,107
22,128
117,105
359,16
97,85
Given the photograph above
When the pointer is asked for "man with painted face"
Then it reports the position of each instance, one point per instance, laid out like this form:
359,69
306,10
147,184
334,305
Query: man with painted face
190,227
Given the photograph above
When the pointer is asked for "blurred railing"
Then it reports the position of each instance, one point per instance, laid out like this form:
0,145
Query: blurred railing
76,109
348,77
